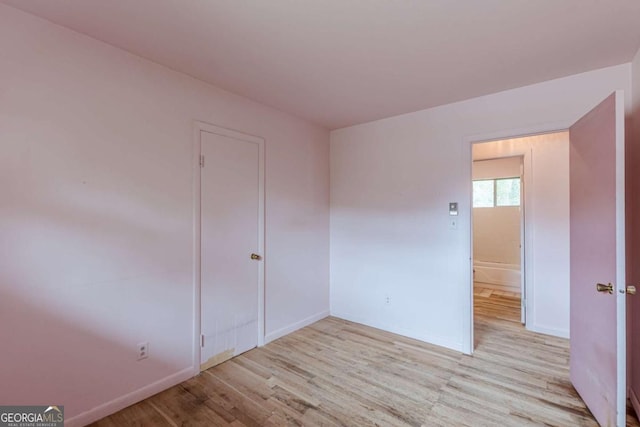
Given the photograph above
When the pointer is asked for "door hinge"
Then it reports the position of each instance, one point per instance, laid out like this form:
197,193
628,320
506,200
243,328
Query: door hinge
201,160
202,340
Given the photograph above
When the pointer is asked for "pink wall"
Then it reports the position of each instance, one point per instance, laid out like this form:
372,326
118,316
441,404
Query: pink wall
96,217
633,232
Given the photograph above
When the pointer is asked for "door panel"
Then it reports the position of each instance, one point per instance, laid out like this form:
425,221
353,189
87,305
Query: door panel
597,364
230,226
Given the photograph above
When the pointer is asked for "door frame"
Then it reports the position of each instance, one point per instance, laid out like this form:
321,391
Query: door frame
523,250
198,128
467,150
621,250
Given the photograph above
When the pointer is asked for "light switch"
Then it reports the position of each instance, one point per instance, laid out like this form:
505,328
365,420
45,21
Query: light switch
453,223
453,208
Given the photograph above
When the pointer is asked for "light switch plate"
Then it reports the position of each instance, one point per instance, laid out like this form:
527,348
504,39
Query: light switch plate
453,208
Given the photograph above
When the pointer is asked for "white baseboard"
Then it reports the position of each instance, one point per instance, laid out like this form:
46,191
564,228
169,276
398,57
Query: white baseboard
129,399
561,333
428,338
634,401
294,327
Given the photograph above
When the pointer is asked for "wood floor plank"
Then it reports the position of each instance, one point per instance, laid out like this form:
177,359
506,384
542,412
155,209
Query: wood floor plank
336,373
141,414
181,408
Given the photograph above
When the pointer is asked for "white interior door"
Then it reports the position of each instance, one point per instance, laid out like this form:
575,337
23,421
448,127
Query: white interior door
231,258
597,218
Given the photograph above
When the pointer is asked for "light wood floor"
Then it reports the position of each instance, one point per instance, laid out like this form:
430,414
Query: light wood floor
496,304
338,373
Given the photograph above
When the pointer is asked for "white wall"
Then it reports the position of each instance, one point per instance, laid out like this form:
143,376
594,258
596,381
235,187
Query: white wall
496,234
96,217
507,167
496,230
546,195
391,181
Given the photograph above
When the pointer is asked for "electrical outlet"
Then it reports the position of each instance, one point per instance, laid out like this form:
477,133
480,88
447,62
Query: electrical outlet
387,299
143,350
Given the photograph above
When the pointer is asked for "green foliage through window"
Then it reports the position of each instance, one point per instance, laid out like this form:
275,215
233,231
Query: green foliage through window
488,193
483,193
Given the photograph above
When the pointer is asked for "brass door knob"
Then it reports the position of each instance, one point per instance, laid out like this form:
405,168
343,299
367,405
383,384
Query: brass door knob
605,288
256,257
631,290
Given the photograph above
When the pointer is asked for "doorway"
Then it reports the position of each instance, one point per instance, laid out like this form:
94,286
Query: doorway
538,257
597,219
229,213
498,238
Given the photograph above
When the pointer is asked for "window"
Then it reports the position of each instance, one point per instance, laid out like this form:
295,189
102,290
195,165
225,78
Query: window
508,192
488,193
483,193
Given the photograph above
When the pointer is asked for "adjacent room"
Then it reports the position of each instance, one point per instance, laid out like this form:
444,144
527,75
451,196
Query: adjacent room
319,213
521,242
498,238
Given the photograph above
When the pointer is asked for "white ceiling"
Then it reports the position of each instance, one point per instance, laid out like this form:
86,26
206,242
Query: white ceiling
342,62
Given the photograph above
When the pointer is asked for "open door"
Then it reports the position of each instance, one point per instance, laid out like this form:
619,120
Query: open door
598,283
